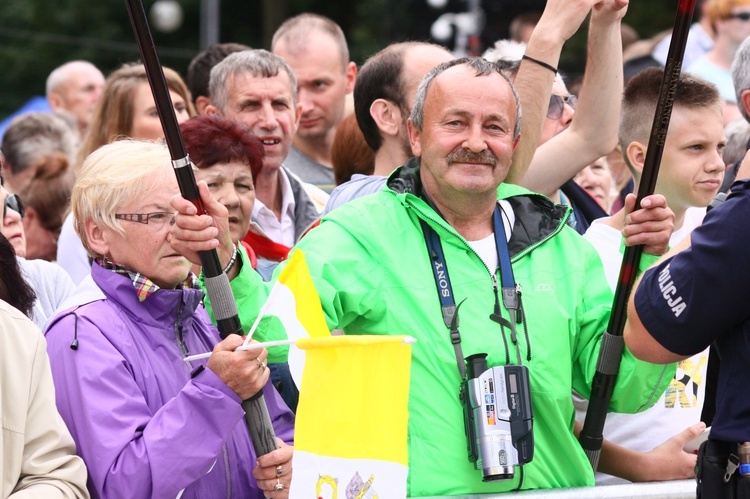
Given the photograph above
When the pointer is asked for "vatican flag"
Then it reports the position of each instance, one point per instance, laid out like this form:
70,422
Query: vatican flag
351,430
294,300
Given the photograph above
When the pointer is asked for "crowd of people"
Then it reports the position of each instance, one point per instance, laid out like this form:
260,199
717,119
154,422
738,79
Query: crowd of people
416,184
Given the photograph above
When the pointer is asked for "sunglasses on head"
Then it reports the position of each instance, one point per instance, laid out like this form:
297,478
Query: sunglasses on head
744,16
14,203
557,105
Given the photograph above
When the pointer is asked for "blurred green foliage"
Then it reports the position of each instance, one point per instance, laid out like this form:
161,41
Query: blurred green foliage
38,35
648,18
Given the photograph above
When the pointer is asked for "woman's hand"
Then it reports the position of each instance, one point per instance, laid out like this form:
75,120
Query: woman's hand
274,472
193,233
244,371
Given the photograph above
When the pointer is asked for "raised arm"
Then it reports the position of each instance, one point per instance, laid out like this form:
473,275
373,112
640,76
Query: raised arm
560,20
593,131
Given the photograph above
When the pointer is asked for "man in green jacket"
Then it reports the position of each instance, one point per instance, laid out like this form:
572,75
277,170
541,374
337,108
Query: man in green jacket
375,275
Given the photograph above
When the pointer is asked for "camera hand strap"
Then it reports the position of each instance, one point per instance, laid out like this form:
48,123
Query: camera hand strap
445,291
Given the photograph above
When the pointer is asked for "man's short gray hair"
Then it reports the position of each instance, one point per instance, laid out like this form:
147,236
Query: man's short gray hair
259,63
741,74
481,67
35,135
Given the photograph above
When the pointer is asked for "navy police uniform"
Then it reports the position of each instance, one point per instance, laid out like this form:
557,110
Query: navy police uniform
701,297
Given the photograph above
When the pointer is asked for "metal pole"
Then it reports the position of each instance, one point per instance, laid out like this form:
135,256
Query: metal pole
608,364
217,285
210,23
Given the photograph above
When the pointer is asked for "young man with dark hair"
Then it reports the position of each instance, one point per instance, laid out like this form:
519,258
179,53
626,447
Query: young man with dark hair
697,296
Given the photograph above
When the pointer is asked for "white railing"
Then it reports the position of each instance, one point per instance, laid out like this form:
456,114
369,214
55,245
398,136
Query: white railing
677,489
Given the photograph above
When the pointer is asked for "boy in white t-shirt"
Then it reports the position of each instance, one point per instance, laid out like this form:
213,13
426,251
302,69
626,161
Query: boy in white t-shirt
690,175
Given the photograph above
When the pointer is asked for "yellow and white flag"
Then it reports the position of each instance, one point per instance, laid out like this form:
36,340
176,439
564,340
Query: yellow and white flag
351,429
294,300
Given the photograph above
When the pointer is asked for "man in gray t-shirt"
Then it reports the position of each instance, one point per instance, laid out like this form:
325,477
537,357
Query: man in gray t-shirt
315,48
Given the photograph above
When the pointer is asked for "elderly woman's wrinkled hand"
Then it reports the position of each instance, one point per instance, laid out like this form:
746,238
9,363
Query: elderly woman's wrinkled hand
193,233
245,372
274,472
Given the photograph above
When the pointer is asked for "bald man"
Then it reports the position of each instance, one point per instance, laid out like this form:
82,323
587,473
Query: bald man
75,87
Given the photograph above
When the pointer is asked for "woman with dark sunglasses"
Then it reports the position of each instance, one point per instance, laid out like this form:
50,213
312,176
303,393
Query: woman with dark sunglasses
13,213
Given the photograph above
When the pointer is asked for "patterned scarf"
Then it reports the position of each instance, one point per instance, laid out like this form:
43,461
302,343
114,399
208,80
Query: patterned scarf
144,287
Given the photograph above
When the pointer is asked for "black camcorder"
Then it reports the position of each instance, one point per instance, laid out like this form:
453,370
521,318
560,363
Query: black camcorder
498,418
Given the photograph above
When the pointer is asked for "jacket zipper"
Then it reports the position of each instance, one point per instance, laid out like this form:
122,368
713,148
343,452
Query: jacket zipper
227,474
178,330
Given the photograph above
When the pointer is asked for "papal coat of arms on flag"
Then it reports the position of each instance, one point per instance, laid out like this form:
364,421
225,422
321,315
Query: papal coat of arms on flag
351,429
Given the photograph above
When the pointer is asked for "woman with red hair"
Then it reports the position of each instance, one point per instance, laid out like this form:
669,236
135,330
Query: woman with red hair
228,157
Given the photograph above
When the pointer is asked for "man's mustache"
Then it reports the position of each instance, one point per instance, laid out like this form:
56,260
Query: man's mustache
461,155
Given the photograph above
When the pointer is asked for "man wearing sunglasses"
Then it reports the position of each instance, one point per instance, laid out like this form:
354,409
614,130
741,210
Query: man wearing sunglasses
51,283
14,203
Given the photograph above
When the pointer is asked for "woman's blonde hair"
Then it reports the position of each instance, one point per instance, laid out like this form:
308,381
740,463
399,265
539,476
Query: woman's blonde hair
113,176
113,116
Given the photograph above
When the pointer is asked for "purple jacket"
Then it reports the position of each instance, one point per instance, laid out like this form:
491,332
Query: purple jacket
145,422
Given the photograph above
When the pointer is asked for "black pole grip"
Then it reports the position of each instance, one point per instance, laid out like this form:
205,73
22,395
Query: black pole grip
259,424
591,436
217,284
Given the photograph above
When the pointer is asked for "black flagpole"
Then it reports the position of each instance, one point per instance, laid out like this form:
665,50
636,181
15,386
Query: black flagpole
610,355
217,285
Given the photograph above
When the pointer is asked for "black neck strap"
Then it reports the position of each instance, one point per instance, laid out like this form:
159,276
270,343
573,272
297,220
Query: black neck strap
445,291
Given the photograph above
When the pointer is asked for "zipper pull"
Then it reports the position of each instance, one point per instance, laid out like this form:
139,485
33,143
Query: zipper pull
495,315
497,299
519,293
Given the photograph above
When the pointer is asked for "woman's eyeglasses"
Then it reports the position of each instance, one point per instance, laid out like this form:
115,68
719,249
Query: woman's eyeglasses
13,202
157,219
744,16
557,105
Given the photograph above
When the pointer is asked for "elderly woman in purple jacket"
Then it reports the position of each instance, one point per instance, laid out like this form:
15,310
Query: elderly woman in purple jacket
147,423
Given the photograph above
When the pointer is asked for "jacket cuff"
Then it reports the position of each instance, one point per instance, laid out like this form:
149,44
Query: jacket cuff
205,377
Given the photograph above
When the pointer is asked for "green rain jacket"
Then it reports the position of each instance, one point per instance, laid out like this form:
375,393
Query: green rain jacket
369,263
